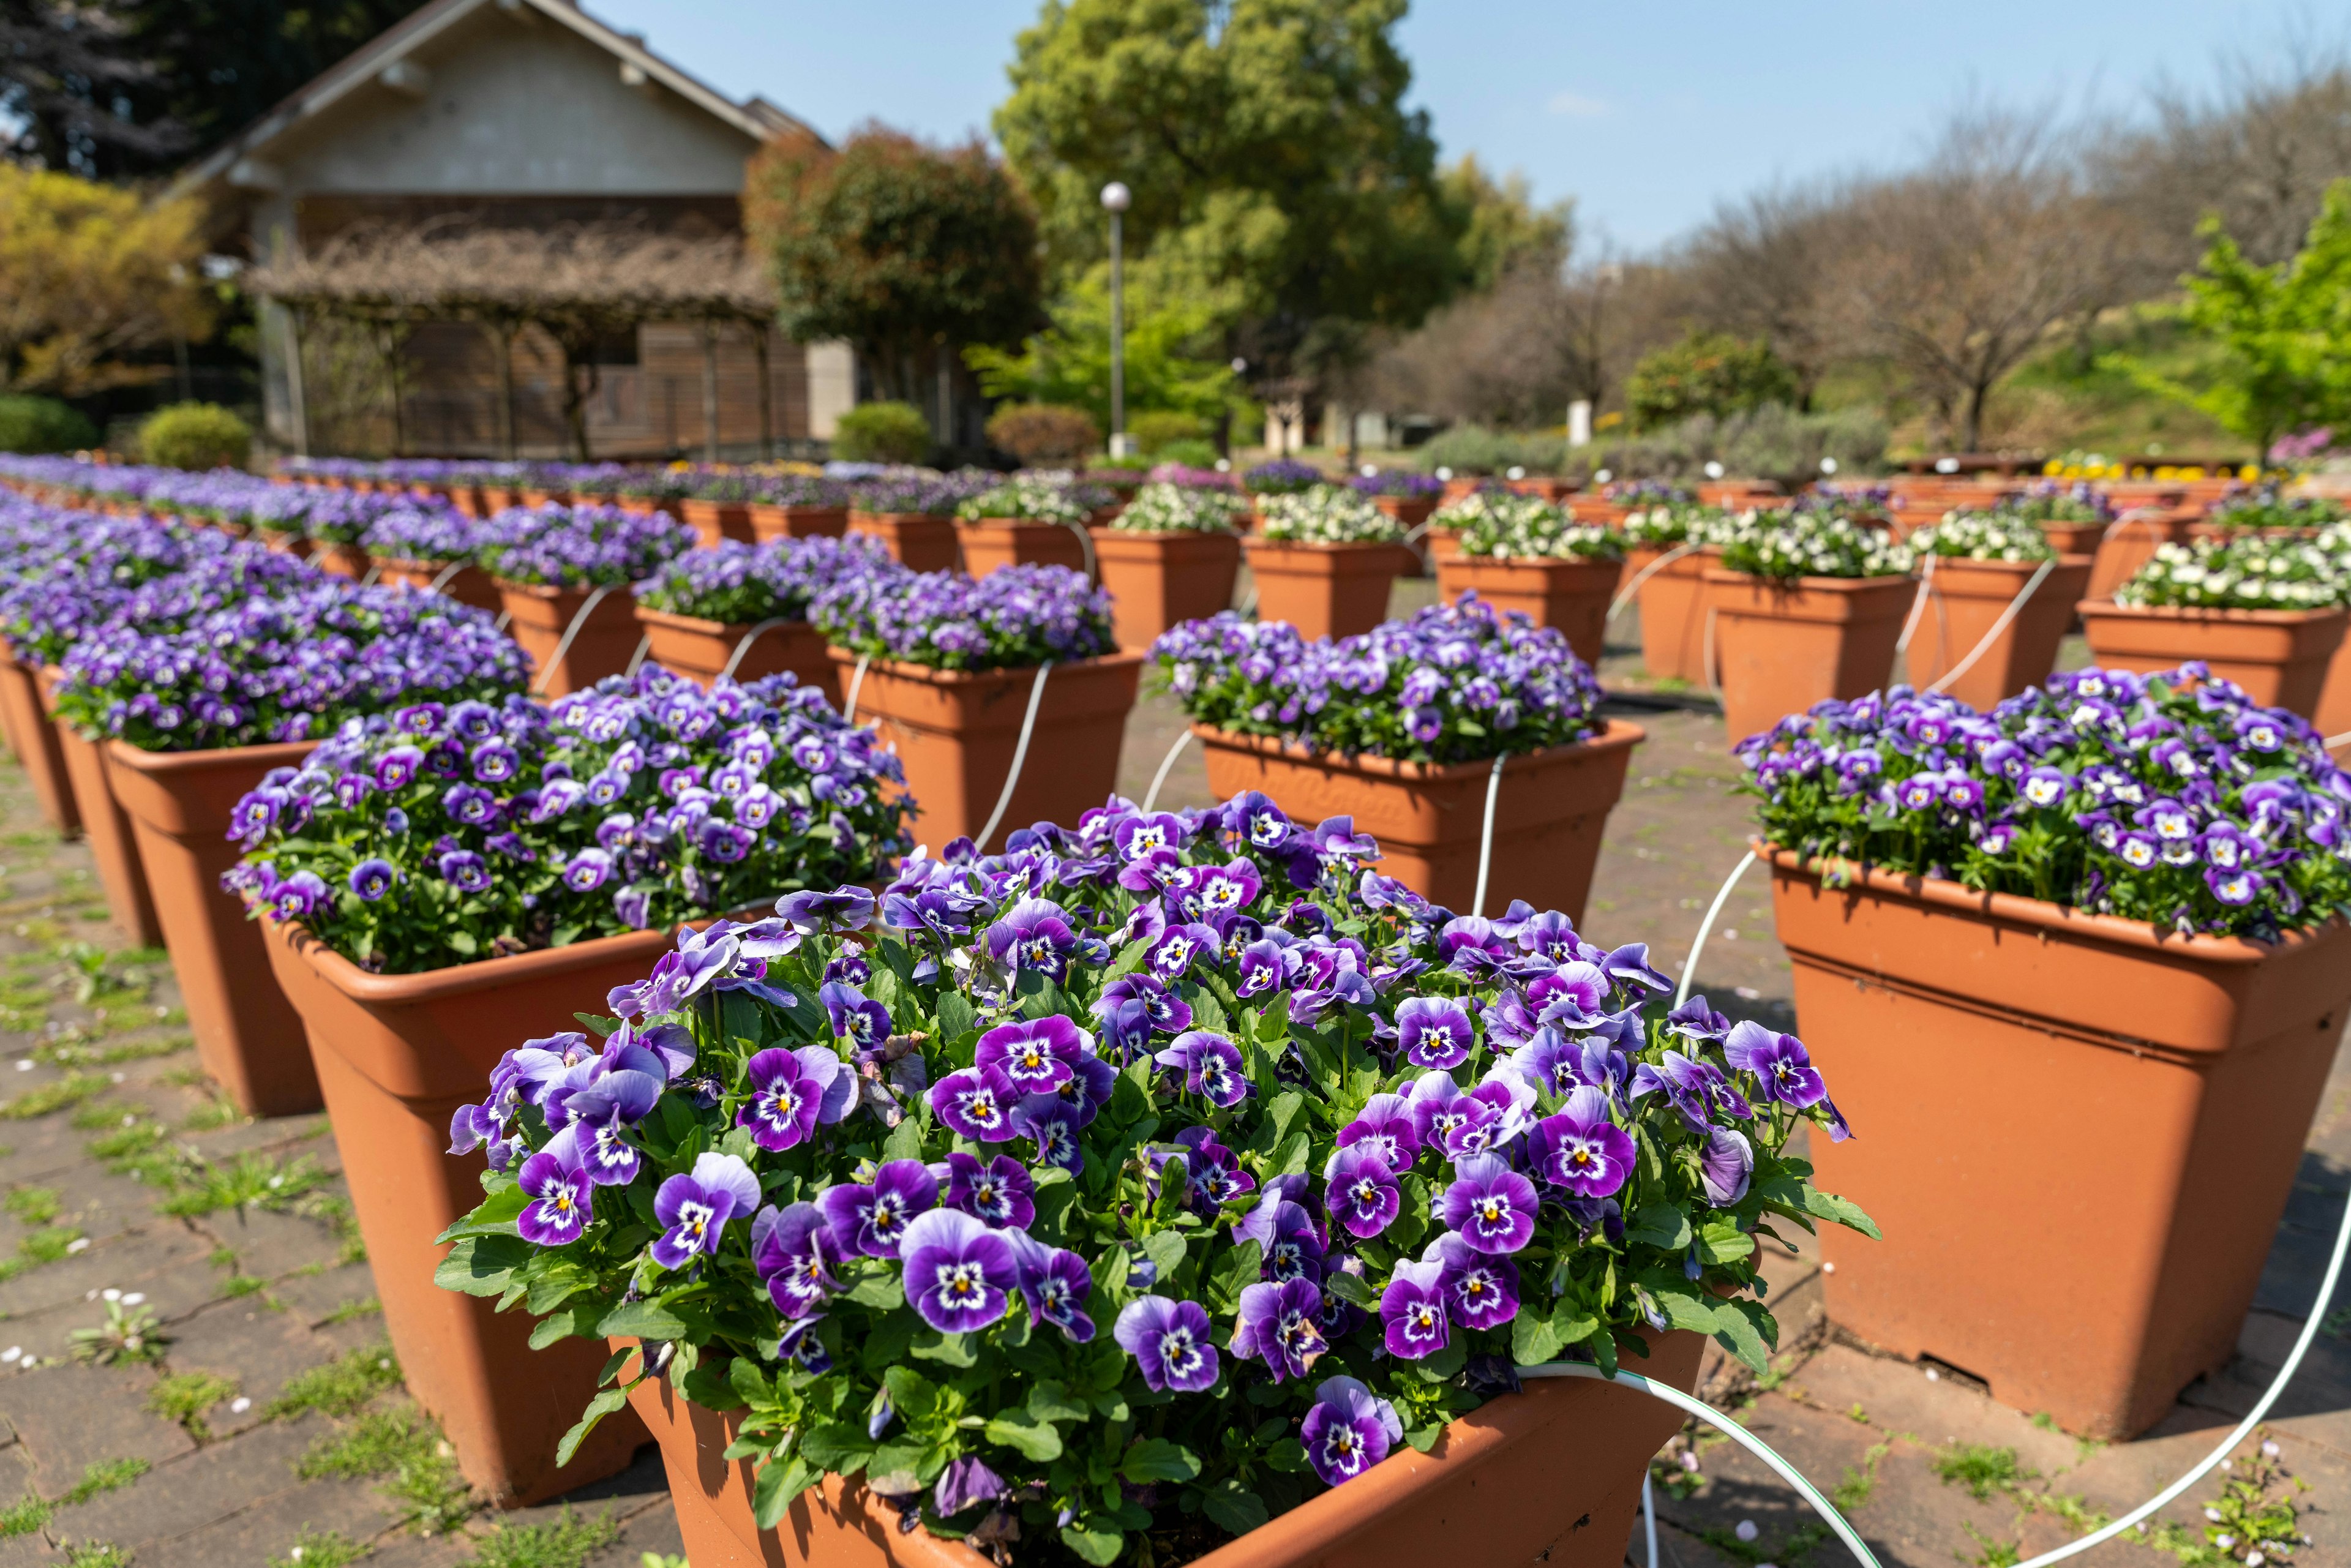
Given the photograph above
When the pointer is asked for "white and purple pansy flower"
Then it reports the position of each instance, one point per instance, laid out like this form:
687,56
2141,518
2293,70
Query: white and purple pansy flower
975,1103
1434,1031
1347,1430
693,1208
872,1219
1490,1205
792,1092
960,1273
797,1256
1171,1341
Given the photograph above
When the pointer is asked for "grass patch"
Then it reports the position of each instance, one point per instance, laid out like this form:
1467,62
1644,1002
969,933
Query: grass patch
105,1476
1859,1484
23,1517
341,1387
96,1554
33,1204
217,1112
96,1116
1981,1468
251,1180
403,1450
566,1542
115,1052
127,1145
50,1098
357,1307
1791,1550
320,1549
185,1397
188,1078
48,1244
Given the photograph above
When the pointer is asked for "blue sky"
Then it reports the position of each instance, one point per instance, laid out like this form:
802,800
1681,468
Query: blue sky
1645,114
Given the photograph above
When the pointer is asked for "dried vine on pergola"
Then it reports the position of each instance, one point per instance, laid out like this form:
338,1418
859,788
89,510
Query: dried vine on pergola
574,281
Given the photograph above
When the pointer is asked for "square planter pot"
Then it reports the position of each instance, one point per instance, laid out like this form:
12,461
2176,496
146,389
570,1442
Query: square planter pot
1550,1476
1407,511
992,543
918,541
1673,612
2334,715
179,803
2074,539
298,546
955,733
467,585
651,506
1966,600
113,847
1783,646
1571,595
699,650
2089,1240
538,617
339,560
396,1055
1548,818
715,520
2279,656
2129,543
1327,590
770,521
1161,580
38,747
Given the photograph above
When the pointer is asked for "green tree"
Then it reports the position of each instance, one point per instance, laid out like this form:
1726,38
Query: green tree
1502,226
2284,331
1277,176
90,273
1707,372
1069,363
910,251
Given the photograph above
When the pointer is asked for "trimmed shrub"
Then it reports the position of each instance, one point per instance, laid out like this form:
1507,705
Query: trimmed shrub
1156,430
1188,453
198,435
1474,449
1043,434
1707,372
43,424
882,432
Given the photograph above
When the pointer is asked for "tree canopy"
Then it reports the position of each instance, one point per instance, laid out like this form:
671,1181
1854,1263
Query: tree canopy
89,274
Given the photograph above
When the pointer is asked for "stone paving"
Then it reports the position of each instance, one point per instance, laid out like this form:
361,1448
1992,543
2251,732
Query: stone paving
236,1403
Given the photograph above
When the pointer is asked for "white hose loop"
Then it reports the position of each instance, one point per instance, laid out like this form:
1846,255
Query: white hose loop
1625,594
735,659
442,578
2015,607
1020,755
1649,1516
856,679
1705,655
1706,927
1728,1429
579,618
1917,607
2332,741
375,570
1167,762
637,659
1485,836
1086,543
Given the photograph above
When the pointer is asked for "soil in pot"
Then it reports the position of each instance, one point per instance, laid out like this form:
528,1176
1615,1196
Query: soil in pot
992,543
466,585
918,541
1573,595
180,803
956,732
396,1055
715,520
1672,601
1548,818
603,646
2090,1245
113,845
1326,591
700,650
770,521
1551,1475
1161,580
2280,657
1966,600
37,746
1783,646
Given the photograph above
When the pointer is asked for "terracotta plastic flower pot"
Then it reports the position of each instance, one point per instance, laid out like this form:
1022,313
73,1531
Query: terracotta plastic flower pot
180,803
770,521
298,546
396,1055
715,520
700,650
2279,656
2074,539
113,847
339,560
1571,595
1326,591
1551,1475
528,496
1586,508
1782,646
541,615
1409,511
1673,612
2334,715
2088,1240
466,585
2129,543
38,747
917,539
989,543
1966,602
1161,580
956,731
1428,818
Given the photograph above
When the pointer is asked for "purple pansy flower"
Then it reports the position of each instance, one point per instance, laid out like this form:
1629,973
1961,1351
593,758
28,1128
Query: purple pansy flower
560,1202
1385,1127
1211,1065
1281,1324
975,1103
596,1116
856,1016
1779,1060
1348,1430
873,1220
959,1274
1412,1310
1480,1291
1433,1032
998,1192
1581,1149
791,1092
1362,1193
1036,1056
1055,1282
694,1207
1726,1166
1170,1342
1492,1206
796,1254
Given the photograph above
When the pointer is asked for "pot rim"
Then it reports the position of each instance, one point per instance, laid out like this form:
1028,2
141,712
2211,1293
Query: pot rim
2088,608
1549,565
456,979
895,520
671,620
1808,584
1106,531
1257,544
1617,734
906,670
2017,909
159,763
550,590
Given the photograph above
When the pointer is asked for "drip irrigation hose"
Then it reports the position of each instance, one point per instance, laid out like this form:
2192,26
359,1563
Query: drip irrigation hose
856,679
1706,927
1086,543
1167,762
448,572
1020,755
1917,608
2015,607
743,647
1485,836
637,659
375,570
579,618
1625,594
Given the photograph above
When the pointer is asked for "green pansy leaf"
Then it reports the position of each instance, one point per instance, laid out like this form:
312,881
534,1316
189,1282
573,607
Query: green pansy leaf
483,1265
1828,1206
1660,1225
1093,1544
777,1486
642,1319
1157,1459
606,1401
494,1216
1037,1441
1721,1243
1533,1341
836,1445
1233,1509
957,1017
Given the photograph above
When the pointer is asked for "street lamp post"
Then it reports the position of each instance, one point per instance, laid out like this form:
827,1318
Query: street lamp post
1115,199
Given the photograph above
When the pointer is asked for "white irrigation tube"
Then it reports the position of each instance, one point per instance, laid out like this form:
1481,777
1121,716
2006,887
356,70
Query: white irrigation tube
579,618
1167,762
1705,655
637,659
1485,836
2015,607
1086,544
743,647
856,680
2332,741
1917,608
1625,594
375,570
1706,927
446,572
1020,755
